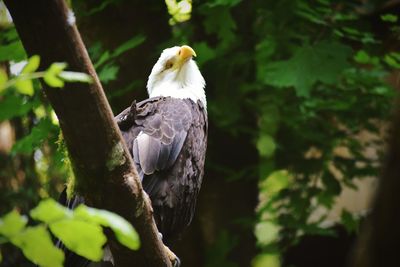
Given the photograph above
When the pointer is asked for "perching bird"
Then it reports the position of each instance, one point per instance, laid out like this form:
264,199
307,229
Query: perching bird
166,135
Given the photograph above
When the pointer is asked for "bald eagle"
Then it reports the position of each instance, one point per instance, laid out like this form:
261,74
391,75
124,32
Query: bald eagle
166,135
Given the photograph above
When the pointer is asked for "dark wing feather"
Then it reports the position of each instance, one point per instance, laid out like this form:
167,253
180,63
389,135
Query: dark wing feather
158,131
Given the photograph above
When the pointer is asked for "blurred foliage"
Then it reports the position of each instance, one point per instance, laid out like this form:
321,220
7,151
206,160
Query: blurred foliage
80,230
296,79
180,11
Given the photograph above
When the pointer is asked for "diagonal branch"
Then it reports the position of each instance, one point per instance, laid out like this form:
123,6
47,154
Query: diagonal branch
105,174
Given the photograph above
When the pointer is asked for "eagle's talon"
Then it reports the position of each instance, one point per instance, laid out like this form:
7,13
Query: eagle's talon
177,262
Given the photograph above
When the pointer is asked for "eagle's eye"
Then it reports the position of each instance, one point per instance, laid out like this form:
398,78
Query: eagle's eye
168,65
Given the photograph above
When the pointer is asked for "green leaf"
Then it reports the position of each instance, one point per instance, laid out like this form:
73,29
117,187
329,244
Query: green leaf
180,11
12,223
382,90
12,52
389,18
71,76
323,62
219,21
266,145
24,86
349,221
392,60
204,53
35,242
107,56
32,65
266,232
362,57
266,260
83,238
331,183
310,14
51,75
49,210
123,230
32,141
104,57
14,105
275,182
229,3
264,51
3,79
108,73
130,44
326,199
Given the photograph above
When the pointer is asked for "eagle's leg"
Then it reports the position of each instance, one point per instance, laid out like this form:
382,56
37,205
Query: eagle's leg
172,257
176,262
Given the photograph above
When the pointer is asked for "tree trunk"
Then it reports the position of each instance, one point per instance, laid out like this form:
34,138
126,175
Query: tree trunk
105,174
378,242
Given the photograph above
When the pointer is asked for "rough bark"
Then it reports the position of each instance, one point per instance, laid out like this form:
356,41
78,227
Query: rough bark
378,241
105,174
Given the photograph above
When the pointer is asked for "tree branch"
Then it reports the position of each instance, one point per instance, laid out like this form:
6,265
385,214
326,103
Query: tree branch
105,174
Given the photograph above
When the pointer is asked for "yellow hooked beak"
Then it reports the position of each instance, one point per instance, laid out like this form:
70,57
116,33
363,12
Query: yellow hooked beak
185,53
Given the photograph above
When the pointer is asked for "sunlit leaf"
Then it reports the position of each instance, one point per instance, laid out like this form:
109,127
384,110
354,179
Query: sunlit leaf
266,145
123,230
3,79
84,238
266,232
266,260
36,244
180,10
32,65
24,86
51,75
275,182
12,223
71,76
49,210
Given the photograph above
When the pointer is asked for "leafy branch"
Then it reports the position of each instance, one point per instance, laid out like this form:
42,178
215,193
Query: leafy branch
80,230
54,76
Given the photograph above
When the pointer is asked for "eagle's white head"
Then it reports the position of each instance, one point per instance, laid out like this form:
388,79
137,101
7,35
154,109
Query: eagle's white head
176,74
